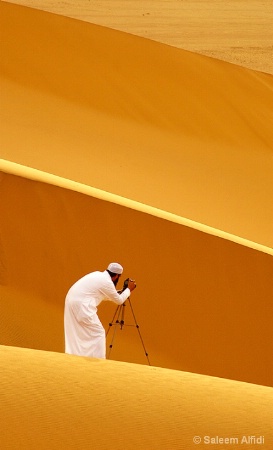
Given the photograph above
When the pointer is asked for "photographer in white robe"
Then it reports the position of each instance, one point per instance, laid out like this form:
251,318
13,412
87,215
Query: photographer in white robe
84,333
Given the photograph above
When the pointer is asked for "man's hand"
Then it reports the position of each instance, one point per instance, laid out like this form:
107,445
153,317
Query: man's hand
131,285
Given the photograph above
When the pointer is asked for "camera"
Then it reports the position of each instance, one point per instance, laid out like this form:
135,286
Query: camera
125,285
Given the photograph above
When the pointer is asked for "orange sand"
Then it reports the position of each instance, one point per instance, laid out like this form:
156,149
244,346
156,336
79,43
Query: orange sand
199,130
80,403
239,32
203,303
115,147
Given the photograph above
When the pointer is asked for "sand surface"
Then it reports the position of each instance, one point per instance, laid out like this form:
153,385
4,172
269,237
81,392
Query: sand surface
236,31
203,303
80,103
80,403
170,129
115,147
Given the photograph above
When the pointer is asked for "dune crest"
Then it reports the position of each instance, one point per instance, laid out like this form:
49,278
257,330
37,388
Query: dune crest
100,95
238,32
203,303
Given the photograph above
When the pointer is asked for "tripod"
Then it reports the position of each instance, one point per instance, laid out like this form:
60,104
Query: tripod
119,315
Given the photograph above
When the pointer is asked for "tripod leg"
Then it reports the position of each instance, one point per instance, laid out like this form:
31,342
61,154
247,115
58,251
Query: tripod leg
111,323
137,326
117,313
122,315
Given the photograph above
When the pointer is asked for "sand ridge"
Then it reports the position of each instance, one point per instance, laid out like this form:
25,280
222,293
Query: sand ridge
213,294
238,32
200,121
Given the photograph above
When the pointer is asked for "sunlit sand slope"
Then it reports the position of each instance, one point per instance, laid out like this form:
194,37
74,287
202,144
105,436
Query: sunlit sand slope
53,401
156,124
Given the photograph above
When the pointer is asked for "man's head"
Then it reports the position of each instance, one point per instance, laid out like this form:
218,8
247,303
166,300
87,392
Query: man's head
115,270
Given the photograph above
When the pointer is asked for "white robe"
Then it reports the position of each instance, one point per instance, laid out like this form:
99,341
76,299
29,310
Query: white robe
84,333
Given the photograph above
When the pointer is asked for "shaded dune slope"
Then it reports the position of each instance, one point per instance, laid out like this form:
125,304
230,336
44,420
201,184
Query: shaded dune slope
141,119
60,401
203,303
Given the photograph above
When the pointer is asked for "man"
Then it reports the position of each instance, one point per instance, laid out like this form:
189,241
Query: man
84,333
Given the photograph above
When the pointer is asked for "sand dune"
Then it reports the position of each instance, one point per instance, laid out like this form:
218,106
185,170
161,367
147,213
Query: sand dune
156,125
104,135
70,402
185,118
203,303
180,132
237,32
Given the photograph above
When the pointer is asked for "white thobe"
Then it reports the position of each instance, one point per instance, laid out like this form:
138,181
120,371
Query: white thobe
84,333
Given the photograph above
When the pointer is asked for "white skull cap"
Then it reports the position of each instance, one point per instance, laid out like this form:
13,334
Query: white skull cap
115,268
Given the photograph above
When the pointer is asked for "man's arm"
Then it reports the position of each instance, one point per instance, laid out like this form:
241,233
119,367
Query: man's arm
112,294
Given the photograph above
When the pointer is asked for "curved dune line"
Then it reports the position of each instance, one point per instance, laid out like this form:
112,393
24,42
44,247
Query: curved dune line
175,130
38,175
